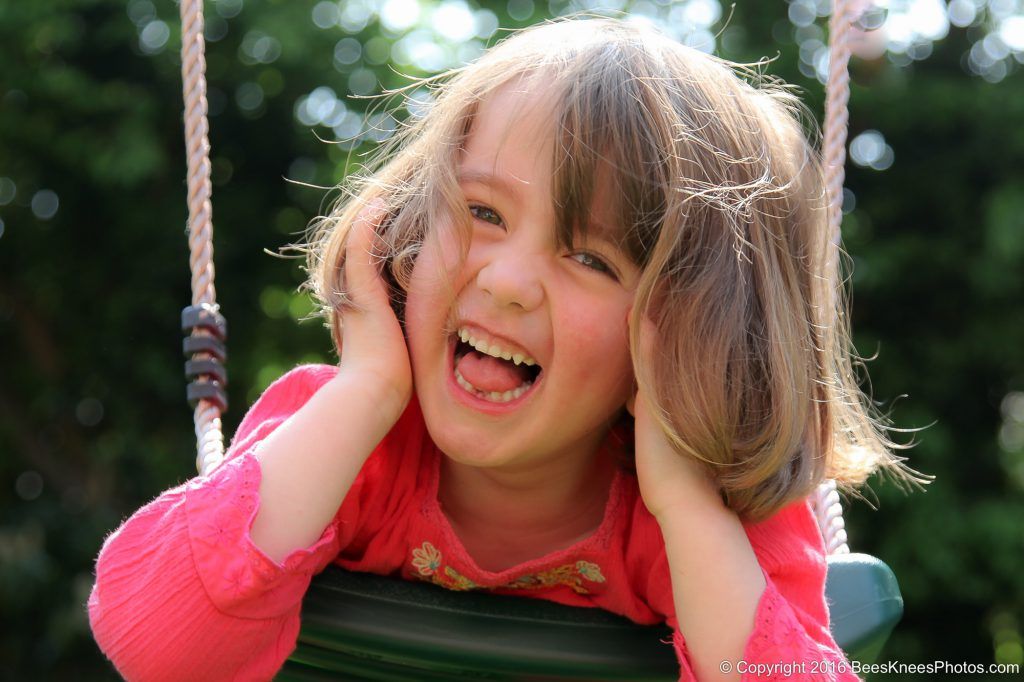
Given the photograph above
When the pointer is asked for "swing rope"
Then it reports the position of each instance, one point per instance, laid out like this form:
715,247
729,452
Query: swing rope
207,327
837,97
827,505
205,345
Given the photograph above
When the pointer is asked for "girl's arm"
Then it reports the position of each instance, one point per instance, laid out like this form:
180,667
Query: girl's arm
716,584
181,590
743,611
310,462
734,619
206,581
716,579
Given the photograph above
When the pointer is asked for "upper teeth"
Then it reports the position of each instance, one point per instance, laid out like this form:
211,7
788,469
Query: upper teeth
494,350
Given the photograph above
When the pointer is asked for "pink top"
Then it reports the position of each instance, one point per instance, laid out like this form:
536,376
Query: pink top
182,592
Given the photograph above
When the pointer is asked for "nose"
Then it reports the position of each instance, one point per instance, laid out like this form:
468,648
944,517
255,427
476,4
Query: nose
510,278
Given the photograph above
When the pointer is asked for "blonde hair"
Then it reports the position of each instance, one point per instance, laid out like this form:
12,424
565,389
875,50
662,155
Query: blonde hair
720,203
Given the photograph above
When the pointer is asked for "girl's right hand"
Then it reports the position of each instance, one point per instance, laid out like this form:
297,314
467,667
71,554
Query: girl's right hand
373,346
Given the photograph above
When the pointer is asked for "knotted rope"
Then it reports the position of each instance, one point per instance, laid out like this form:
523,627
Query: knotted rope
209,436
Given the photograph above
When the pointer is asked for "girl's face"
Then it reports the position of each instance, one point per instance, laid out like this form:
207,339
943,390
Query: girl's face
521,294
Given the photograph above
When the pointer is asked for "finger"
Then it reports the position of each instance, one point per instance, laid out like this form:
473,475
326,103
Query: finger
648,333
362,257
648,338
632,390
647,347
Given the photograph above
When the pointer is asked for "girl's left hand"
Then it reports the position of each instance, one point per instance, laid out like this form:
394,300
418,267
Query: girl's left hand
670,481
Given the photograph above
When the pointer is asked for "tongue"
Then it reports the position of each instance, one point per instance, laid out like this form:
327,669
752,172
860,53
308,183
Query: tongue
491,374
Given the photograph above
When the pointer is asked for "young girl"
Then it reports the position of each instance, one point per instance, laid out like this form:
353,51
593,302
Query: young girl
590,353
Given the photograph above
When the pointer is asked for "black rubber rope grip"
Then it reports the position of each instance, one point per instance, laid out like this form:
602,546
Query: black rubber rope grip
209,378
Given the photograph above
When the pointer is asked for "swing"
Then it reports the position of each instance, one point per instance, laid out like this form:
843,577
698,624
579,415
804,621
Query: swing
367,627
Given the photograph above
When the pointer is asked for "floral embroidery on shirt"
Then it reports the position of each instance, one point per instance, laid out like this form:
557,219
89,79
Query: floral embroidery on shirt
427,560
453,580
590,571
570,575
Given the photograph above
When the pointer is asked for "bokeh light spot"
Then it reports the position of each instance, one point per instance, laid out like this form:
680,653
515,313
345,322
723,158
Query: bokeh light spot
325,14
454,22
141,12
249,96
153,37
362,81
377,50
228,8
8,190
962,12
29,485
869,150
399,15
347,51
486,23
274,302
355,15
45,203
89,412
1011,32
520,10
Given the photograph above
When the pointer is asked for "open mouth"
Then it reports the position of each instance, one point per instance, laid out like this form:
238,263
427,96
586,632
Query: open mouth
487,374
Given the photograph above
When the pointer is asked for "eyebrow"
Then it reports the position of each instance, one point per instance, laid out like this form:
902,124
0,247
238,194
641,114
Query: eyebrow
599,231
490,180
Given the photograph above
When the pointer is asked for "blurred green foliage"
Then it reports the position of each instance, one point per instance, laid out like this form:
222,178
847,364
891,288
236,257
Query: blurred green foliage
93,275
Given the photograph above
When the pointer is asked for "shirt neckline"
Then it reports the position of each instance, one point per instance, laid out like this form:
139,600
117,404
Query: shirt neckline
595,543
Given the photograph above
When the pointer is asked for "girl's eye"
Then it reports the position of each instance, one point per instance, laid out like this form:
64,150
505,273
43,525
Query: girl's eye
485,214
593,262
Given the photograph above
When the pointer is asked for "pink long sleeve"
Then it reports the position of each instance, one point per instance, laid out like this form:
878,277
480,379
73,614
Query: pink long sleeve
182,592
790,640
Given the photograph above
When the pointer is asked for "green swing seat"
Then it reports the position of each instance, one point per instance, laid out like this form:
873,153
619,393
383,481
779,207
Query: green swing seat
366,627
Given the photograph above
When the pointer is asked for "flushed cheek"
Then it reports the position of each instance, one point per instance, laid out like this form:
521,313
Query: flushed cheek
597,346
